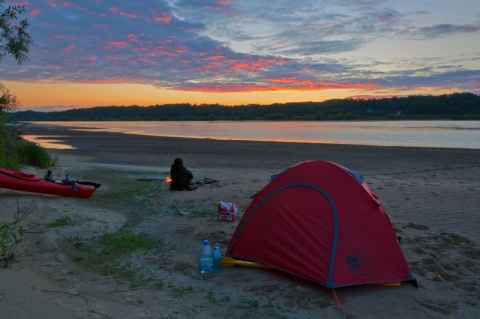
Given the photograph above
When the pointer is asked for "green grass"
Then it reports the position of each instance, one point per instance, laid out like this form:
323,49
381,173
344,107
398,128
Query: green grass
123,189
246,303
32,154
15,151
159,284
119,244
124,192
180,291
10,235
108,254
60,222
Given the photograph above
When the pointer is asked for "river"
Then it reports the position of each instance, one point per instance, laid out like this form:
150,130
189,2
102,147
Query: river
439,134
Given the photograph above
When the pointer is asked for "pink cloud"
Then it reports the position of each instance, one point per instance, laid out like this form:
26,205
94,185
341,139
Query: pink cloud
308,85
91,59
258,64
69,4
222,6
97,13
119,44
66,4
123,14
181,49
161,51
165,18
52,3
285,84
35,12
215,57
132,37
274,84
69,48
111,58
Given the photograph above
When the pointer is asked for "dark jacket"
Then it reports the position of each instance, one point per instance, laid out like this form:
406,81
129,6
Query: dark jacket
181,176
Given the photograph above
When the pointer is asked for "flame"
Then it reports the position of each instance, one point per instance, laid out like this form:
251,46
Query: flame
168,179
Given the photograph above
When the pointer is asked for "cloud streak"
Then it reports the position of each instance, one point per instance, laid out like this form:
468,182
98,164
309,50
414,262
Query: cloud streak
247,46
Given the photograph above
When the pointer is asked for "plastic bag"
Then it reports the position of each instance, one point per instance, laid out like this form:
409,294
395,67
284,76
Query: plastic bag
227,212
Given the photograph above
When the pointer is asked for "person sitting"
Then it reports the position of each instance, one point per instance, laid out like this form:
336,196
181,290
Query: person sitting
181,177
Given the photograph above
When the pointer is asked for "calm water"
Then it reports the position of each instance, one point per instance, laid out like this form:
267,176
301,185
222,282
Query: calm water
449,134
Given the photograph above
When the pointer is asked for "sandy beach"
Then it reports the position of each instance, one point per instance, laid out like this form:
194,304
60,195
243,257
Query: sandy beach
432,196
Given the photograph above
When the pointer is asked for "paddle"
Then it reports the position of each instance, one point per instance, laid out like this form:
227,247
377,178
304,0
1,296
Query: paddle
96,185
230,262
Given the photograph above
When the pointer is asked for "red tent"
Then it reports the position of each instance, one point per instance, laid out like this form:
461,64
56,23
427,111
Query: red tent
320,221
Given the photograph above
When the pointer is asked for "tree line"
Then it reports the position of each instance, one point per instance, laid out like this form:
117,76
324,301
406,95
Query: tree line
448,106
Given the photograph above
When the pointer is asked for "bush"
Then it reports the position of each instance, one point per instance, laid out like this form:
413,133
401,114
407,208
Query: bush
15,151
12,234
8,156
32,154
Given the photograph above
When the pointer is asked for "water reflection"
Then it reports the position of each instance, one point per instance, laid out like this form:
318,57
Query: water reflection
450,134
48,142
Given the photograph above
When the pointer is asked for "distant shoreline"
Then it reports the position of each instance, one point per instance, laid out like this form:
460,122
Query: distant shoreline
448,106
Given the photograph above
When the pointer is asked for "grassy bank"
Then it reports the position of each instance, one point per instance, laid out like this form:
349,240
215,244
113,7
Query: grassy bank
15,151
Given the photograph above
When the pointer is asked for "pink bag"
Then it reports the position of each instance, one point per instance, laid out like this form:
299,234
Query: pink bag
227,211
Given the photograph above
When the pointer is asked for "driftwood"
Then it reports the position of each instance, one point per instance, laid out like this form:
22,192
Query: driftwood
16,127
7,260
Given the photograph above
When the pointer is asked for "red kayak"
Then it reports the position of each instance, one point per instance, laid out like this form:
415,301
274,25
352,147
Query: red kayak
35,184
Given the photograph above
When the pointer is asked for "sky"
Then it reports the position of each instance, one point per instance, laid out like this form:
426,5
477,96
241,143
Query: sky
235,52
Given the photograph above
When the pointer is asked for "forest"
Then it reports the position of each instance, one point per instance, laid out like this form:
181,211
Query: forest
456,106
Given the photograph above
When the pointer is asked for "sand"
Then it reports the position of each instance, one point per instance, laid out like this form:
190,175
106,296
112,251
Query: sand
432,196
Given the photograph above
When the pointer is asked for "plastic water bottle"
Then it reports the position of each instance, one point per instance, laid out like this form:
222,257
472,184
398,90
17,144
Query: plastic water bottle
217,258
205,258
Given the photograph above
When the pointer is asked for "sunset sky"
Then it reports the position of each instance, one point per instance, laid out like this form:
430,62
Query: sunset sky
124,52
